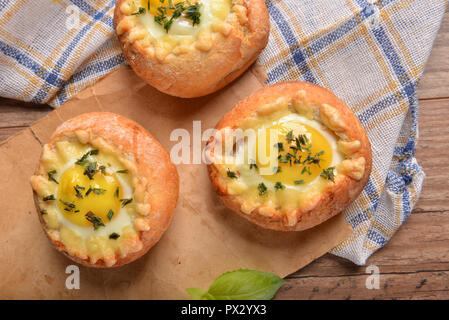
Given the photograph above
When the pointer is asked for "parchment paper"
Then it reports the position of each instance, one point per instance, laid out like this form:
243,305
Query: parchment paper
204,239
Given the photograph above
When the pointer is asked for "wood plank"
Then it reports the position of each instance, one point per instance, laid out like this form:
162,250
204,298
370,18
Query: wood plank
435,80
20,114
420,244
432,154
417,285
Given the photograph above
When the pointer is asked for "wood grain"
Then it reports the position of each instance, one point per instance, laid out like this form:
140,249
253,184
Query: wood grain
418,285
433,153
415,263
435,80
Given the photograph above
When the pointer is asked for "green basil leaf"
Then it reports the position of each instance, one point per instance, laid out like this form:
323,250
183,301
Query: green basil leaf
199,294
240,284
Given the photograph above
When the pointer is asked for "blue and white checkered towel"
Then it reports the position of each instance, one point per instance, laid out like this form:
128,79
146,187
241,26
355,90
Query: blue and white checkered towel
369,53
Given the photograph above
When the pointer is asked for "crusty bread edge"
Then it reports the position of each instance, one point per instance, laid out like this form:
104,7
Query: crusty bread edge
165,184
197,73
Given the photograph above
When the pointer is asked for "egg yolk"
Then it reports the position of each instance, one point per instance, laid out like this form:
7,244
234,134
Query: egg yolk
301,153
75,200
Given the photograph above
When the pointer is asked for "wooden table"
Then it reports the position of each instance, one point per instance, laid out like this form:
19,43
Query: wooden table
415,263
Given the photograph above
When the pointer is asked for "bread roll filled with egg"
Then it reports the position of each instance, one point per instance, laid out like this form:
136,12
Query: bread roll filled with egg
105,189
191,48
296,156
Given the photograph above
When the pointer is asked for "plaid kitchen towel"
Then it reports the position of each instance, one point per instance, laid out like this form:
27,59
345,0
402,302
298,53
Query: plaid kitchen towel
369,53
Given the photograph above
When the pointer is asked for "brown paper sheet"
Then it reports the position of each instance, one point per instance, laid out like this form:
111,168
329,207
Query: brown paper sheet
204,239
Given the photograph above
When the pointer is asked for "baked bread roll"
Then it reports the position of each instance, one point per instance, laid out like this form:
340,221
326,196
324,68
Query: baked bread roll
300,157
105,189
191,48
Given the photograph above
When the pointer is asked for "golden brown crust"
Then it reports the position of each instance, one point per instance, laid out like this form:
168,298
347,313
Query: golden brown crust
337,196
201,72
153,163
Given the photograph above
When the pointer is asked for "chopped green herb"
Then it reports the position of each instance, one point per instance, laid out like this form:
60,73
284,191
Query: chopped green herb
110,215
283,159
193,13
91,170
279,186
295,149
262,189
69,205
280,146
83,160
298,153
161,19
78,194
98,190
299,181
253,165
190,12
102,169
328,174
96,221
140,11
43,211
88,191
290,157
114,236
289,136
306,169
232,174
48,198
314,159
50,176
126,201
122,171
117,192
79,187
301,141
176,14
